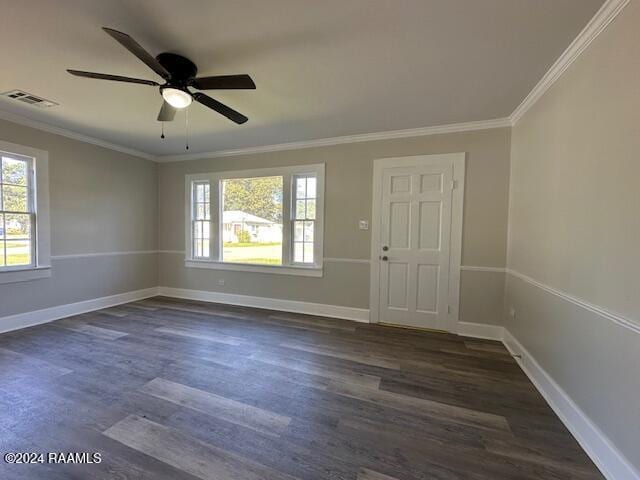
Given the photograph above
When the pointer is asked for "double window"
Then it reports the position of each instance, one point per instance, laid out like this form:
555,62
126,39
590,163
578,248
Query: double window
267,220
24,220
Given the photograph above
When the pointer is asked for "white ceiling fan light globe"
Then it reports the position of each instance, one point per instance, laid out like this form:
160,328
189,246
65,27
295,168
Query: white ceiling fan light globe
176,98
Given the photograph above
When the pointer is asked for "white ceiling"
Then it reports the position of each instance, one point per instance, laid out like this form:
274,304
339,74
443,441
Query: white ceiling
323,68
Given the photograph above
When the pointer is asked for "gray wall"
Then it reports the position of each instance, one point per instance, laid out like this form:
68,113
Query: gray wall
575,226
349,177
101,201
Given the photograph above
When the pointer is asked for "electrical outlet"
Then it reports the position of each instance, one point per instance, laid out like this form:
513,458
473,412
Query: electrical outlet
221,281
512,312
363,224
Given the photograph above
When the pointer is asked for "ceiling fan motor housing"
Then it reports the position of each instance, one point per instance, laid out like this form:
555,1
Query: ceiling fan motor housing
182,69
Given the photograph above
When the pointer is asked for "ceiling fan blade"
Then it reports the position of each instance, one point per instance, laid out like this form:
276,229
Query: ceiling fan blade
167,112
221,108
225,82
134,47
115,78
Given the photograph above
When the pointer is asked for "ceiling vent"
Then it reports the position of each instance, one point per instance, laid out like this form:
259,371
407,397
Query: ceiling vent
29,98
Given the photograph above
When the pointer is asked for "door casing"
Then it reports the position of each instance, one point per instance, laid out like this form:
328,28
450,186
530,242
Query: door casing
458,161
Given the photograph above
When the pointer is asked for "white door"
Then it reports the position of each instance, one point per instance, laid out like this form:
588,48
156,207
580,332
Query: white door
414,247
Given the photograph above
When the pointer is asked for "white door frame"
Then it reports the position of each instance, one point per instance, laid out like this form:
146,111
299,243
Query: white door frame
457,202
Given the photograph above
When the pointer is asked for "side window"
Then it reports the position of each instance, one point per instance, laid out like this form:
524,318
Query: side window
17,212
304,218
201,219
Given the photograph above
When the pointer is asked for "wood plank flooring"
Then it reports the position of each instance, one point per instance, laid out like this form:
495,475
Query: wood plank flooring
173,389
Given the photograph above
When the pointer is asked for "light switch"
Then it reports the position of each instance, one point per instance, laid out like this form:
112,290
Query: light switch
363,224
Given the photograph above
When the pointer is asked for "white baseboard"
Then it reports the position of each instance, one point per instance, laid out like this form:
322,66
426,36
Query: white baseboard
612,464
480,330
600,449
334,311
36,317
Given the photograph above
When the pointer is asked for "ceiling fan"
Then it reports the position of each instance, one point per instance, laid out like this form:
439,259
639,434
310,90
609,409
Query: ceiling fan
179,74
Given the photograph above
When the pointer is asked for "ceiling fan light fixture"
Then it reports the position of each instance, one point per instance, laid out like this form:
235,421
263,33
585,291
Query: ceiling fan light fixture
176,98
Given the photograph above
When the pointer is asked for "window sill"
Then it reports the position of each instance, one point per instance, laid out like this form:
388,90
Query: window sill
24,274
243,267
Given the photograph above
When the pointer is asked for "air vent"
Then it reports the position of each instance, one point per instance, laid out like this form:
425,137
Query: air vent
29,98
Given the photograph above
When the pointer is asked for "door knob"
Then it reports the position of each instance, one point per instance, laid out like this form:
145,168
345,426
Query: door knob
384,258
385,248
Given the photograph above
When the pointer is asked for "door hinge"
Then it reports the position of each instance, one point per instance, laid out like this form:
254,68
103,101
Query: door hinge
449,309
454,184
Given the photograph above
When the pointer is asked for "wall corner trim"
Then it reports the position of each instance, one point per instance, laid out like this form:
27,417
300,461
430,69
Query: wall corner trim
37,317
293,306
481,330
610,461
603,17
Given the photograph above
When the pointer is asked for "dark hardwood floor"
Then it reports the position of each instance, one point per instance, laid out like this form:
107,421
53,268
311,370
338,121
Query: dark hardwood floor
170,389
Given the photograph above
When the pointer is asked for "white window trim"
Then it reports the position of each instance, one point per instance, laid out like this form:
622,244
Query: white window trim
287,267
40,175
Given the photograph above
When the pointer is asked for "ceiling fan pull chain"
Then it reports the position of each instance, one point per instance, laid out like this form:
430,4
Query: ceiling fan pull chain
186,120
162,135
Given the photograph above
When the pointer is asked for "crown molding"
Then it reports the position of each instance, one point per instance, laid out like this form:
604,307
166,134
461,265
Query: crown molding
364,137
603,17
609,10
323,142
46,127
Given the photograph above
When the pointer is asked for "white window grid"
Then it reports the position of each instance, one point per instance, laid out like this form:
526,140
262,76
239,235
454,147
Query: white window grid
5,213
304,200
201,220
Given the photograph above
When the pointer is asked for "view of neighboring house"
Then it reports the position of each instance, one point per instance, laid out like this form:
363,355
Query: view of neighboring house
260,229
12,225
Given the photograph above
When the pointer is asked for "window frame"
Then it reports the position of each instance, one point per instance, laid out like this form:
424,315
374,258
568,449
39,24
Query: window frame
195,219
306,219
38,198
288,267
